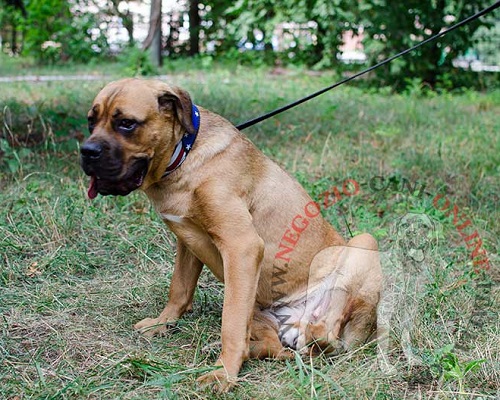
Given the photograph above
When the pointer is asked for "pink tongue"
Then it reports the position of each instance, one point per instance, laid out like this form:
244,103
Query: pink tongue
92,192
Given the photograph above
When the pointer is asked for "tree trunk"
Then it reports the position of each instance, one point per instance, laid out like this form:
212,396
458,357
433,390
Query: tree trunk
319,49
153,40
13,41
433,55
194,28
128,23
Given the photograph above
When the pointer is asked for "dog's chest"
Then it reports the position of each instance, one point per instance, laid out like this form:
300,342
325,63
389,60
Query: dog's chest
171,218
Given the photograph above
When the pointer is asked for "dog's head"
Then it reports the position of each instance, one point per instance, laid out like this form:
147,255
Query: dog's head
134,126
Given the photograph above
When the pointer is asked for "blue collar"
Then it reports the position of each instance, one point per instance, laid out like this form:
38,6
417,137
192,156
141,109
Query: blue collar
183,148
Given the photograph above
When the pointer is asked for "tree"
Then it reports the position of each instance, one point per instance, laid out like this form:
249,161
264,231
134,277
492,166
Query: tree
332,18
247,16
219,22
11,18
154,37
125,15
57,32
311,44
194,27
47,19
394,26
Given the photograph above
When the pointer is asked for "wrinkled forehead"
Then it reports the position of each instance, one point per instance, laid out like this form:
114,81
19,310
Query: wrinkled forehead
131,97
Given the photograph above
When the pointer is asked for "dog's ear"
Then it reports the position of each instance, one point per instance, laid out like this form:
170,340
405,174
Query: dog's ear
178,100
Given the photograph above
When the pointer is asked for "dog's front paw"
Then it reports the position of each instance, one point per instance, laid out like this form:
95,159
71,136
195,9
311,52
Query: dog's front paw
150,327
217,381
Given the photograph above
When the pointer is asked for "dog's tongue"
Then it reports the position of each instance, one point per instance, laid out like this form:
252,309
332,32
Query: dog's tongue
92,192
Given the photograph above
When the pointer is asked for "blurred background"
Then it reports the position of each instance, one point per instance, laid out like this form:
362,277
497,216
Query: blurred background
318,34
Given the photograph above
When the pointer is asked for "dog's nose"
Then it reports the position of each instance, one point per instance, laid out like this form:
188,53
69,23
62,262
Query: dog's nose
91,150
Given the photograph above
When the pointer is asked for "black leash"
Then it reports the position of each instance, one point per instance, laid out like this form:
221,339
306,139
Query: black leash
386,61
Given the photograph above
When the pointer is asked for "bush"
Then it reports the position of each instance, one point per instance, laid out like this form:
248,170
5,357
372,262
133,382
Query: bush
55,34
137,62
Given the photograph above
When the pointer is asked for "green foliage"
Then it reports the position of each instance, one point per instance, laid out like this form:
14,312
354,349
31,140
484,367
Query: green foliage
253,14
40,121
79,43
391,27
452,369
332,18
310,31
11,23
488,40
137,62
54,33
307,381
12,158
251,32
47,19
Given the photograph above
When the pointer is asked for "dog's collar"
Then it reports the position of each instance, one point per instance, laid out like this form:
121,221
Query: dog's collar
185,144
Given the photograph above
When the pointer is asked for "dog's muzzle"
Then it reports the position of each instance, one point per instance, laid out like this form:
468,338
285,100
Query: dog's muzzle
108,174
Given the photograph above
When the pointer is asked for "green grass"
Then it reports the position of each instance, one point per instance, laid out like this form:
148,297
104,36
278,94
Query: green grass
24,66
76,275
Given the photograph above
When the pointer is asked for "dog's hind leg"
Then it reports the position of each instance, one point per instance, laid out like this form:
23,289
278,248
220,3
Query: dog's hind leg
264,339
351,283
360,314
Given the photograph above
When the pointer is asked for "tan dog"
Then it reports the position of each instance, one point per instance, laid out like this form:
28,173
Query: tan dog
290,279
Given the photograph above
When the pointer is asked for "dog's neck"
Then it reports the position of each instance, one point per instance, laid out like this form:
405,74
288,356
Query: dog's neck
185,145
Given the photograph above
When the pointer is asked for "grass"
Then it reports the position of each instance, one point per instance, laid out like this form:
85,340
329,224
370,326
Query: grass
27,66
76,275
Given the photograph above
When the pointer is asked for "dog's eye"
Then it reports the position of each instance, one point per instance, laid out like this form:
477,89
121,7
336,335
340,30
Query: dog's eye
127,125
91,123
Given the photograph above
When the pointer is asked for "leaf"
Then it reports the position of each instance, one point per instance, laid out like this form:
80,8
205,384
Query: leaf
472,365
4,146
13,165
24,152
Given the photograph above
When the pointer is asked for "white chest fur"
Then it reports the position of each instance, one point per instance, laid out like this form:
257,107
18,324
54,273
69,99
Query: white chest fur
172,218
